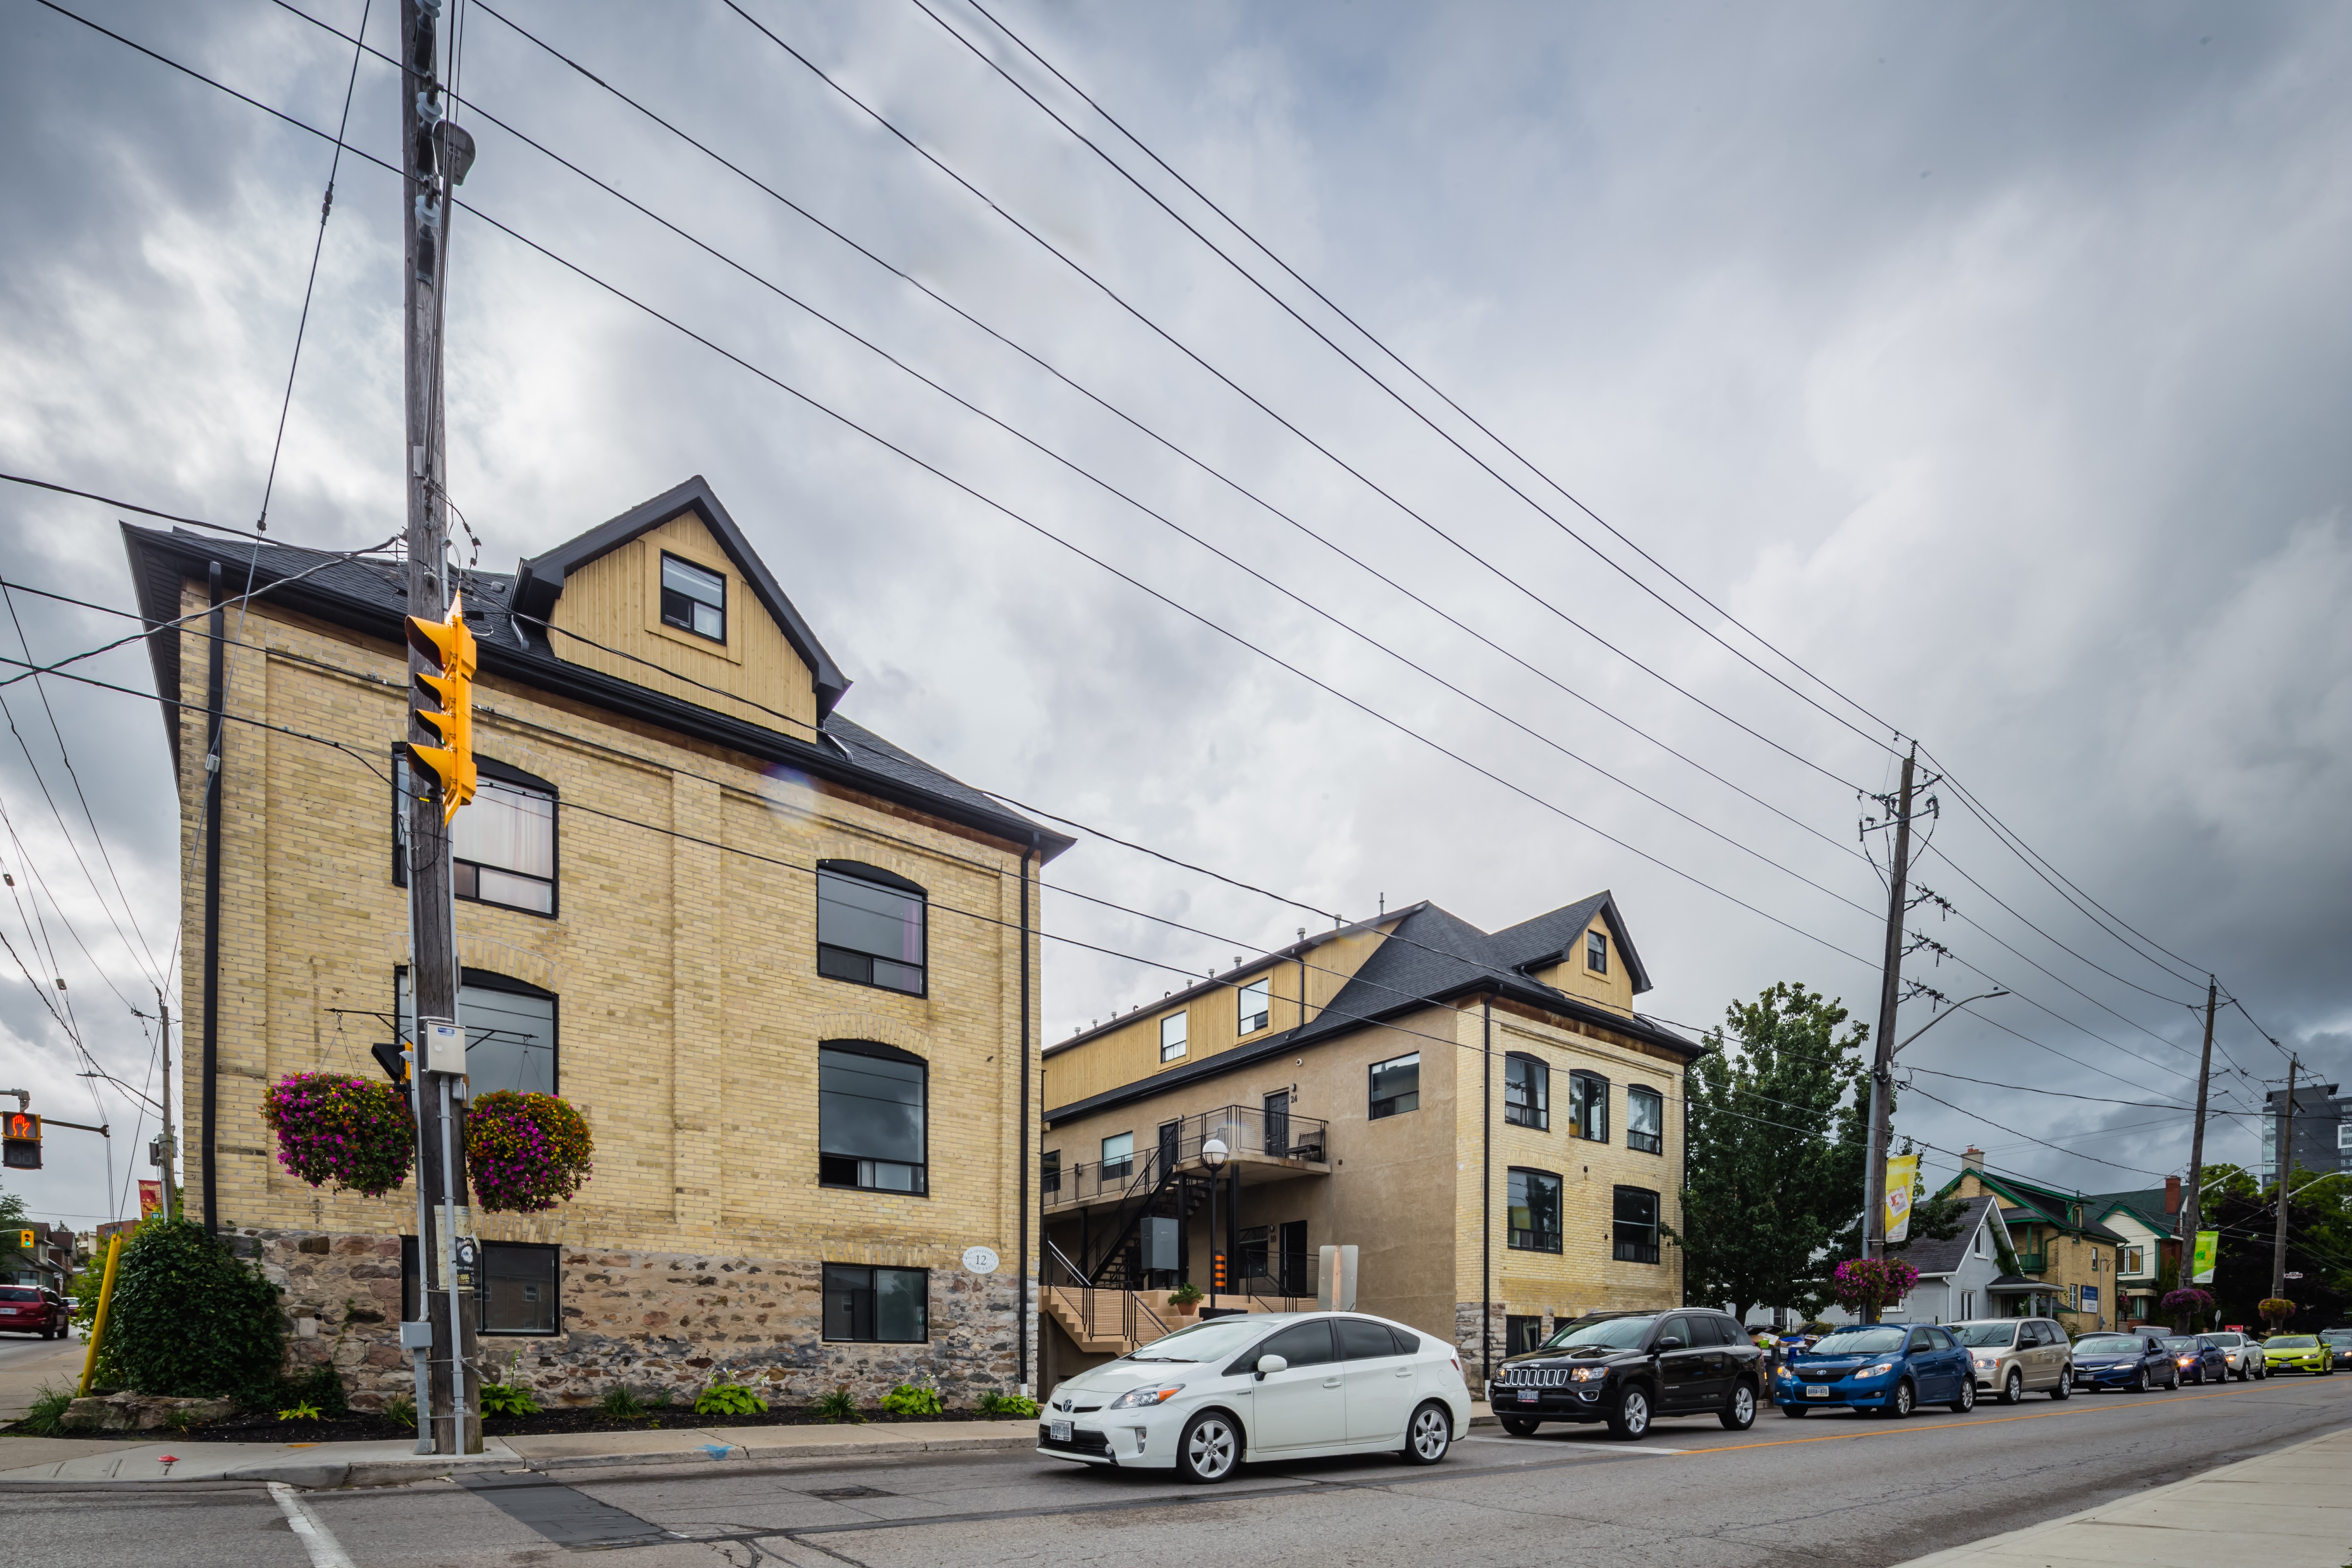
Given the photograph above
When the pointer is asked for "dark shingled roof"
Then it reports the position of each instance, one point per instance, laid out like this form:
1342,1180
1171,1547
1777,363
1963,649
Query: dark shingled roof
1932,1257
2147,1205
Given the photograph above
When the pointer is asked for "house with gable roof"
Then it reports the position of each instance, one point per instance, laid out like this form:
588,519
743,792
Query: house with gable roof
2066,1255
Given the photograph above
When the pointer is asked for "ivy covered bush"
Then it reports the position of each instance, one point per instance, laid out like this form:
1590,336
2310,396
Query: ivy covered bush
353,1132
189,1319
526,1152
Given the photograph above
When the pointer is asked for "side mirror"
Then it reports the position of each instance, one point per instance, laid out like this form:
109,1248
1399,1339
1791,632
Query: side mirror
1267,1364
1669,1343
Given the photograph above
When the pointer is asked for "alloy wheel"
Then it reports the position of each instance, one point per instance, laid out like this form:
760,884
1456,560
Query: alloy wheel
1433,1430
1968,1399
1906,1399
1210,1448
2139,1383
2013,1390
1632,1417
1740,1414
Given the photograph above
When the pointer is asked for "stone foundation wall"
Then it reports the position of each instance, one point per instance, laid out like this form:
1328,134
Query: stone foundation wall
643,1321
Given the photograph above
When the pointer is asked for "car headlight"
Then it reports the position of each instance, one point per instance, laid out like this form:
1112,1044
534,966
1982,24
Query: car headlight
1786,1374
1881,1370
2189,1361
1986,1360
1587,1373
1142,1398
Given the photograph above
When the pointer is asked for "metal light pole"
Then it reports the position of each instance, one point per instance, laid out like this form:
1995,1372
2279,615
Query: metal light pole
1213,1155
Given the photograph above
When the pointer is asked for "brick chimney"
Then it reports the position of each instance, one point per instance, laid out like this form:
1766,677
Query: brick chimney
1972,1159
2172,1194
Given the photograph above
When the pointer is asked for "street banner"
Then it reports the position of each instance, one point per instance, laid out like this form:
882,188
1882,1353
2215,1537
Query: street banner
2208,1246
150,1199
1902,1171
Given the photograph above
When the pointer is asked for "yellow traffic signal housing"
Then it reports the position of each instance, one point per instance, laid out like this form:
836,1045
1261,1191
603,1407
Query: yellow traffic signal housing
449,646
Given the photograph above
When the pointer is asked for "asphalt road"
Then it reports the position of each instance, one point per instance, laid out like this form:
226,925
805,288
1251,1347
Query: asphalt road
1832,1491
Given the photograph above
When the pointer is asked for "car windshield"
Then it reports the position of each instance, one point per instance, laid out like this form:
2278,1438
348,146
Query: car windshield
1862,1341
2107,1344
1980,1334
1211,1340
1609,1333
2291,1342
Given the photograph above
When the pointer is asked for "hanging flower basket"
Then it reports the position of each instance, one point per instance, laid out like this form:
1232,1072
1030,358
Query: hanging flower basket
2276,1309
353,1132
1866,1285
2189,1299
526,1152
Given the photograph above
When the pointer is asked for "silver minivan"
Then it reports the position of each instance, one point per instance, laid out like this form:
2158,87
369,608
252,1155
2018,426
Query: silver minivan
2015,1356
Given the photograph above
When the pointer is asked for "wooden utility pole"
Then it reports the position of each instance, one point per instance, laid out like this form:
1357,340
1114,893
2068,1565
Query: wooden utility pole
2283,1166
2185,1223
433,971
1890,997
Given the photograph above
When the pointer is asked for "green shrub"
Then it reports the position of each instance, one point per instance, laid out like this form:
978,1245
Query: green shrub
1184,1295
508,1399
321,1386
400,1412
1007,1405
623,1405
913,1399
47,1416
728,1399
837,1406
299,1412
188,1319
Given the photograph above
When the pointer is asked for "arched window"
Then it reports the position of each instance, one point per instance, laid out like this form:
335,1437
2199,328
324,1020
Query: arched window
870,929
873,1117
1587,1106
1526,1091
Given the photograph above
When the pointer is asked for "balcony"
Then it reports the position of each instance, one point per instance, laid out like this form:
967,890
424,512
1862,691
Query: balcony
2032,1262
1263,1147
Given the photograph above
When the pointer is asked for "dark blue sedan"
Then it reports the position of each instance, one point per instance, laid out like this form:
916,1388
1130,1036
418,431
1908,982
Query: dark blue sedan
2199,1359
1887,1369
2139,1361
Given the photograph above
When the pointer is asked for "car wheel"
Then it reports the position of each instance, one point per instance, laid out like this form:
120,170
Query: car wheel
1210,1448
1968,1399
1906,1399
1740,1413
2012,1389
1428,1434
1520,1425
1629,1418
2064,1387
2139,1381
1793,1411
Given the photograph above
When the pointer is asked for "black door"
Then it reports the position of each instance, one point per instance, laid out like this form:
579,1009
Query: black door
1170,1133
1293,1257
1277,1123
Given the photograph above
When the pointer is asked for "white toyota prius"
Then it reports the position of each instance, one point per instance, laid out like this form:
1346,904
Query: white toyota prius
1261,1385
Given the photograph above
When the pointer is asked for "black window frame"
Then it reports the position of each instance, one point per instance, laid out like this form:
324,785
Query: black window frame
1535,1109
1531,1239
1049,1171
1634,1139
875,1050
411,1283
1596,951
1619,1244
492,979
1580,1125
889,881
872,1286
662,591
498,773
1247,1023
1522,1333
1373,1102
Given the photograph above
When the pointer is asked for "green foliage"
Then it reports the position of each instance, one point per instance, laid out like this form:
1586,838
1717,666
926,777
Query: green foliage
837,1406
301,1412
321,1386
913,1399
1007,1405
400,1412
47,1417
189,1319
1775,1129
623,1405
728,1399
508,1399
1184,1295
2319,1241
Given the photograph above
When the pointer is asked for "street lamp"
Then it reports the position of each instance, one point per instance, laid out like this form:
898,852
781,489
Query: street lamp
1882,1073
1213,1155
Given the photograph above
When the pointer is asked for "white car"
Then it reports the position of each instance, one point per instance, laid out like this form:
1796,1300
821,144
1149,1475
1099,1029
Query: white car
2246,1356
1261,1385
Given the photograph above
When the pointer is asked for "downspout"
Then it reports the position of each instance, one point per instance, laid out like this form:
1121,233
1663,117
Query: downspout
214,699
1487,1193
1021,1320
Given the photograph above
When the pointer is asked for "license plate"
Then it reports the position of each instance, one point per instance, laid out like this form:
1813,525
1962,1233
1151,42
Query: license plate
1816,1391
1061,1430
1529,1397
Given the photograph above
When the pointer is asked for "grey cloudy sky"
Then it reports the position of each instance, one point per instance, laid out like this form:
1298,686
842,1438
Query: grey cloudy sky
1991,362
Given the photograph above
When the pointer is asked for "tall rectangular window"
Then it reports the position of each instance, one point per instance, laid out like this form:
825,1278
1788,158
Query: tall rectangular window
872,1127
1527,1092
1396,1086
1535,1211
1171,1036
502,845
1646,1120
693,598
1587,1106
1117,1156
869,927
877,1306
1252,1006
1596,952
1636,1228
1049,1172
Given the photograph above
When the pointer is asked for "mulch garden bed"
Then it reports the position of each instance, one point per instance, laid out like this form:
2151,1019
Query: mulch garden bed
265,1428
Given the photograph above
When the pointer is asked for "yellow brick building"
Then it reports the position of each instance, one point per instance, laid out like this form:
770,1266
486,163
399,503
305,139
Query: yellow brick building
1483,1116
2068,1262
783,968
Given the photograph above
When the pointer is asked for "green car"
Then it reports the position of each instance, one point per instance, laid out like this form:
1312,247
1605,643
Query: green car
2298,1353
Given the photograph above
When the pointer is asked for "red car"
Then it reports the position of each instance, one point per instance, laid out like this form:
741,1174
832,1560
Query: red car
30,1310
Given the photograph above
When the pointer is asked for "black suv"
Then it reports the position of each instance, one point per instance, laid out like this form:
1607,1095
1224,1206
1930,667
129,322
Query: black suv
1628,1368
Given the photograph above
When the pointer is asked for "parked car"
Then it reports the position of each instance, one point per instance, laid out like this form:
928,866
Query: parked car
2299,1352
1878,1368
1261,1385
1628,1369
2339,1340
2135,1359
2200,1361
33,1310
2245,1355
2017,1356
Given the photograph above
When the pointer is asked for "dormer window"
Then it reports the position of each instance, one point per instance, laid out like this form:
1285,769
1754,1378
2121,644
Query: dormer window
1596,950
693,598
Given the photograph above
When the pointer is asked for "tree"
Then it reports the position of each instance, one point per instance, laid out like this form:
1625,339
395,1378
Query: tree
2319,1244
12,1219
1774,1138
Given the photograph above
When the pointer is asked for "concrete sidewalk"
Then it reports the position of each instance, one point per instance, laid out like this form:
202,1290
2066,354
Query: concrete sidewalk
2287,1510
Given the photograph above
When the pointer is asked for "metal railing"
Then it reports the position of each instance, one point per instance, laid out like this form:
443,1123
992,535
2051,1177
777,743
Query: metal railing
1284,1285
1245,1130
2031,1262
1101,1312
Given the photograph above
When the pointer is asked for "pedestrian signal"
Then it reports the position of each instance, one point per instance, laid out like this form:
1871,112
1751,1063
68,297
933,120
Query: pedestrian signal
448,647
20,1140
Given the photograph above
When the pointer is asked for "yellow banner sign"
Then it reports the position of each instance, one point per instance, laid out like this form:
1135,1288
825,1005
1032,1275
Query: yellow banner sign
1902,1171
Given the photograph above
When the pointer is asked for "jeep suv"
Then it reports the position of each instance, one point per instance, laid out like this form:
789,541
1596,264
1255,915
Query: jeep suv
1629,1368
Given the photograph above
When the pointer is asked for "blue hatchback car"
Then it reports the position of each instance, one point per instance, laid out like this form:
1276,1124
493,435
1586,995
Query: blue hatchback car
2137,1360
1879,1369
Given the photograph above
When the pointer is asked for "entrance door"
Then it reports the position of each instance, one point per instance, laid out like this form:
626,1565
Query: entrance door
1306,1406
1278,1124
1170,1135
1293,1257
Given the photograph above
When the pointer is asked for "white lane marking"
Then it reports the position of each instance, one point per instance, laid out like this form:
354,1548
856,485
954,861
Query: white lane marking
317,1539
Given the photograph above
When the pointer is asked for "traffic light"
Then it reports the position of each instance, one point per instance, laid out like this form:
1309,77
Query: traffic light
25,1239
449,646
20,1140
389,1057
